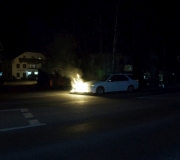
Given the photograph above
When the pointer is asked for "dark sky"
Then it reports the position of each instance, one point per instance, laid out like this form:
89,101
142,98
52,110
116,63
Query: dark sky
29,25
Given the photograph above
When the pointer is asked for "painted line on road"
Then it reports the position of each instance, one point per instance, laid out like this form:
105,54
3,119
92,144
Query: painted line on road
28,115
24,110
151,96
21,109
22,127
35,122
10,110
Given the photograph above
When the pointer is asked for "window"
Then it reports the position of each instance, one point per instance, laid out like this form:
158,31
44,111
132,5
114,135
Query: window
114,78
18,74
122,78
24,65
24,75
17,65
32,66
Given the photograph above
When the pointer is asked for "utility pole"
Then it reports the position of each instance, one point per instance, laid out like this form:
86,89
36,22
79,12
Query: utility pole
133,34
115,40
164,51
1,48
164,62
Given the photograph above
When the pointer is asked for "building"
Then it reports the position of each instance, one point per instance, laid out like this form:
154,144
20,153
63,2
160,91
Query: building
23,66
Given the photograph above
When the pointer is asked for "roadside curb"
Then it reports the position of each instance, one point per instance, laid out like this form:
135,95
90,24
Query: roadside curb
171,86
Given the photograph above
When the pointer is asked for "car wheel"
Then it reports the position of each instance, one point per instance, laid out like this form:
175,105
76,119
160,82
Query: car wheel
131,88
100,90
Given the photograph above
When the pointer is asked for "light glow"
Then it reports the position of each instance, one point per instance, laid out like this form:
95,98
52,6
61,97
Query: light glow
29,73
78,85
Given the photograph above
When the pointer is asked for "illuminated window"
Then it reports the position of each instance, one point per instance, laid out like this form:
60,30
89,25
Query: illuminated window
17,65
18,74
24,65
32,66
29,73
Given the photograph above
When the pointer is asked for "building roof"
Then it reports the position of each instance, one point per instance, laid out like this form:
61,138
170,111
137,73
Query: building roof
13,56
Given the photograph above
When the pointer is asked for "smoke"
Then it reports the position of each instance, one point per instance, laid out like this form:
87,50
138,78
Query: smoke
71,72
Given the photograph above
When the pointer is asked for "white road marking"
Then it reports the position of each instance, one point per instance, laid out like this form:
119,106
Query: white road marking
33,123
22,127
28,115
24,110
21,109
9,110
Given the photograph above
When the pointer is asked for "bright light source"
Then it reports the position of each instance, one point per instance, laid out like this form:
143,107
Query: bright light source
36,73
78,85
29,73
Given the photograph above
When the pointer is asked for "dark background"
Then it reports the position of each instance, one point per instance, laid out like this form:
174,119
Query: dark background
143,26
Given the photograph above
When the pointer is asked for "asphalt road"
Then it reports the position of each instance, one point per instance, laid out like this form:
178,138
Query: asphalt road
58,125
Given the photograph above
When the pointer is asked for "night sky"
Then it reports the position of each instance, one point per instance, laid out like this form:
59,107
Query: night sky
28,25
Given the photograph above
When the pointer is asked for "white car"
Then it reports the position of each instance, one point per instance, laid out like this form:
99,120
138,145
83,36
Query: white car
110,83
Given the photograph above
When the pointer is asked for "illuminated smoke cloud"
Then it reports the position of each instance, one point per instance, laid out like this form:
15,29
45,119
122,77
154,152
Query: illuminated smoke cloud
71,72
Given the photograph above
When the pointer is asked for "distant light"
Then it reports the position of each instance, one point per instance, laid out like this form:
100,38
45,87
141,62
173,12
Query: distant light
1,73
29,73
36,73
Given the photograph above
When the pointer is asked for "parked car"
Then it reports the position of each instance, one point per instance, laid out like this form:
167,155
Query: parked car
109,83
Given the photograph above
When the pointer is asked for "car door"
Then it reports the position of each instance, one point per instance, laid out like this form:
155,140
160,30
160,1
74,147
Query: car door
112,83
123,83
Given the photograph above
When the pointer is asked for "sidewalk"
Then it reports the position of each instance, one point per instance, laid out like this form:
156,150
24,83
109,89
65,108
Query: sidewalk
153,87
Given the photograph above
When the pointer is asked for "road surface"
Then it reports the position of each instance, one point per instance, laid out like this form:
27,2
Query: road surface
59,125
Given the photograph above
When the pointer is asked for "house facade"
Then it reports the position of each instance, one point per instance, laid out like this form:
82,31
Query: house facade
23,66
